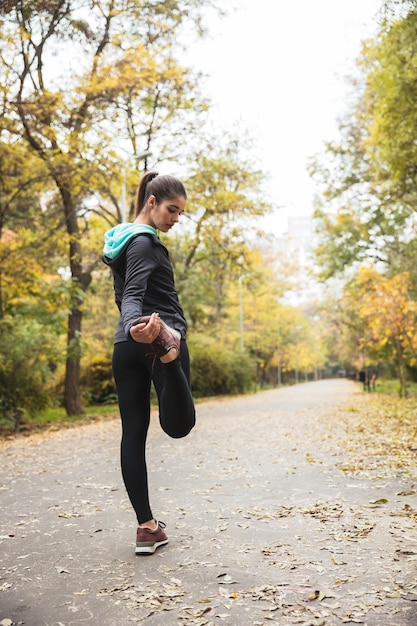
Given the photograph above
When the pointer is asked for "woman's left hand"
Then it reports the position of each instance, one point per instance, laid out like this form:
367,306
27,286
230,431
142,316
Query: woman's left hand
146,332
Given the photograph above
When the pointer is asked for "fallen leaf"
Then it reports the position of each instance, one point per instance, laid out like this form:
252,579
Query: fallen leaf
227,580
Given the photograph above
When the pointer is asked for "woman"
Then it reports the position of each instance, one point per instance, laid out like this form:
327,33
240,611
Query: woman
149,343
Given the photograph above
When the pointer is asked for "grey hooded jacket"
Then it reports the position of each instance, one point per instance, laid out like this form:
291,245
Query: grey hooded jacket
143,279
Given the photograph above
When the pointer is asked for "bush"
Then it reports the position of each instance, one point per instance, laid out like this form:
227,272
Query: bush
214,372
97,381
217,372
27,366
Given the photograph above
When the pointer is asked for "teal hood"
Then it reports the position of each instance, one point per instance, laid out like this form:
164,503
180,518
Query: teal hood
117,237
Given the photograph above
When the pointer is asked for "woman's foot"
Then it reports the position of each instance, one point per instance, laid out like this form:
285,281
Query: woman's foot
171,355
148,540
167,344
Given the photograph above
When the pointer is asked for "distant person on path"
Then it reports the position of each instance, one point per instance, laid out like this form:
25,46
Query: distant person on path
363,378
372,381
149,343
368,380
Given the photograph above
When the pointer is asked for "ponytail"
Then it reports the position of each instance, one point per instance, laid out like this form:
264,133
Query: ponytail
162,187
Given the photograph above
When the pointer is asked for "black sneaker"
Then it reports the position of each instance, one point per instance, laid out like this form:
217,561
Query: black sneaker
147,540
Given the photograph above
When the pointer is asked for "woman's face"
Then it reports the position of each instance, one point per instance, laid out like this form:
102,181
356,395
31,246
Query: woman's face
165,215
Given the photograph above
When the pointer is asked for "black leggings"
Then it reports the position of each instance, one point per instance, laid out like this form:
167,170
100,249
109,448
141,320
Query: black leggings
132,369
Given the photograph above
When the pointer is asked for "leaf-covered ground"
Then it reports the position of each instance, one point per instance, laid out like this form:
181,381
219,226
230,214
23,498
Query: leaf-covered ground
294,506
382,435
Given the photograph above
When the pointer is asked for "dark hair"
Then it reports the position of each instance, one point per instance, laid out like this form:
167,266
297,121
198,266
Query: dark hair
163,187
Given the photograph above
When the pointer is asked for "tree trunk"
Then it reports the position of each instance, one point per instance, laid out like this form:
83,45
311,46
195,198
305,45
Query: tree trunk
1,296
72,393
401,370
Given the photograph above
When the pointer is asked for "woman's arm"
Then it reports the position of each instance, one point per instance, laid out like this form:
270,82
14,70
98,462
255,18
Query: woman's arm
141,260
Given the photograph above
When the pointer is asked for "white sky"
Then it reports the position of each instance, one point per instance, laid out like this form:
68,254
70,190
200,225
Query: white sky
278,68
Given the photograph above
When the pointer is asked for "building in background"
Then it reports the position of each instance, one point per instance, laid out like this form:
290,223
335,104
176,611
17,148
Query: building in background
293,254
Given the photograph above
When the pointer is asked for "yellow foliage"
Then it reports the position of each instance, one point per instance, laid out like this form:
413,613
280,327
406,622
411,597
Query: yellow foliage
386,308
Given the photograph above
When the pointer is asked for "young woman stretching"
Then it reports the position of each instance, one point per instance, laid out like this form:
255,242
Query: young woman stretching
149,343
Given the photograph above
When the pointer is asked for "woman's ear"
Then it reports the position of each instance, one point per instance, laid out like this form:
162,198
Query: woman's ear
151,202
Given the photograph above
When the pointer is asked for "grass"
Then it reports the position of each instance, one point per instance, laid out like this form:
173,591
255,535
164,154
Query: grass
58,414
56,417
392,387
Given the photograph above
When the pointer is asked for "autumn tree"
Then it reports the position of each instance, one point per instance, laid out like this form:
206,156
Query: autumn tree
368,177
21,190
224,199
79,79
388,317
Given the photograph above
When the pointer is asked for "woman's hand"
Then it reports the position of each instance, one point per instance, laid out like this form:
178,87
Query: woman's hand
146,332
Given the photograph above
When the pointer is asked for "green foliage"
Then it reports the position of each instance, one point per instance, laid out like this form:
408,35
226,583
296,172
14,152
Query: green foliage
211,247
369,176
214,371
27,366
217,371
97,381
366,215
390,93
392,387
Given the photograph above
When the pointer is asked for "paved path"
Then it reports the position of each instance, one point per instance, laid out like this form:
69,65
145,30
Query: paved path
264,524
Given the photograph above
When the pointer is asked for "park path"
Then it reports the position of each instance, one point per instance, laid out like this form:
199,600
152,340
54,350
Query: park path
266,523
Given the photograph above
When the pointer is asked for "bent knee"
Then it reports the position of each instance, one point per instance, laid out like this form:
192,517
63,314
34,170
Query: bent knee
178,433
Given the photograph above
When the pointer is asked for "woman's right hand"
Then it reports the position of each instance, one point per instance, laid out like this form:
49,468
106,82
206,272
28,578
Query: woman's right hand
146,332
